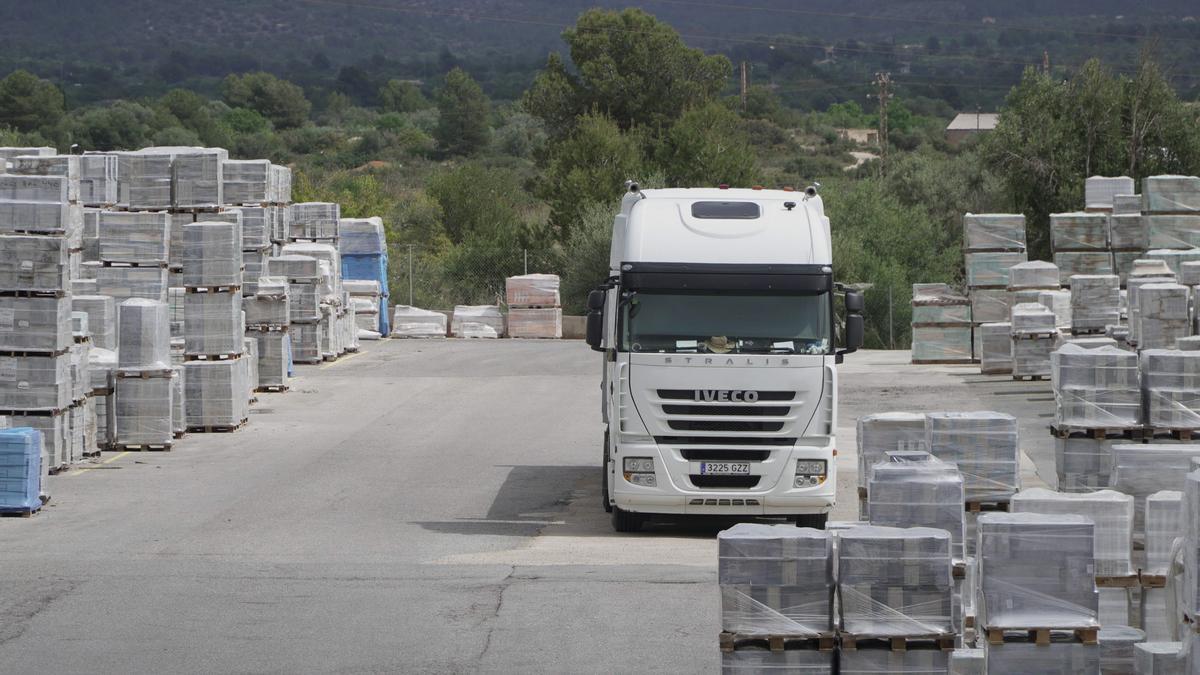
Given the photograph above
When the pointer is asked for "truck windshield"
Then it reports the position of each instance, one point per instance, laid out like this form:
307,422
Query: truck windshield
719,322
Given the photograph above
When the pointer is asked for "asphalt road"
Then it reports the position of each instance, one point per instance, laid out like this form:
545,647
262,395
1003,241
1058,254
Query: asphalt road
420,507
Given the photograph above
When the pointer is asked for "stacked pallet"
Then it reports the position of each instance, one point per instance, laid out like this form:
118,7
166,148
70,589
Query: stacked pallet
1189,602
991,243
1080,244
1039,605
1171,385
1034,335
363,247
414,322
477,321
881,433
1163,523
268,318
20,471
334,321
1101,193
918,490
143,415
941,325
1095,303
534,307
1160,314
303,275
367,299
777,588
996,345
983,446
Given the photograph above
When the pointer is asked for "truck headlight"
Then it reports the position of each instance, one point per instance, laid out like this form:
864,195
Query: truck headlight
810,473
640,471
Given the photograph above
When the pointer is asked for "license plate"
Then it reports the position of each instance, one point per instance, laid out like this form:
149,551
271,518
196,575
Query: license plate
724,469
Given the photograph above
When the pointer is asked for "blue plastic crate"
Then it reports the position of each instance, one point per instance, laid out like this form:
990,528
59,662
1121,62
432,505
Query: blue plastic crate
21,448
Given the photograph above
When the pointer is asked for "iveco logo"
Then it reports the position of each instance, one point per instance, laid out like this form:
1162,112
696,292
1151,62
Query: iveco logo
726,395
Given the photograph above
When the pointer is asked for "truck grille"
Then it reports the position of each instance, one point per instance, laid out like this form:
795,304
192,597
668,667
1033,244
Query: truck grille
710,455
732,425
765,411
724,482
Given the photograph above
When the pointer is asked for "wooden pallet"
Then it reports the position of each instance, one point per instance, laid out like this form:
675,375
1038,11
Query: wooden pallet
941,641
995,371
26,293
959,570
266,328
40,412
985,507
306,362
1077,332
142,447
47,353
942,362
273,389
211,357
825,642
216,428
55,470
1031,378
1152,580
1097,433
1174,434
1041,636
146,265
147,374
213,289
189,209
1130,581
19,513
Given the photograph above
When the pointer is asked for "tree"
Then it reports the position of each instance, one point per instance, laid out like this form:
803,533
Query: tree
463,111
120,126
631,67
278,100
590,166
707,146
28,102
478,201
401,97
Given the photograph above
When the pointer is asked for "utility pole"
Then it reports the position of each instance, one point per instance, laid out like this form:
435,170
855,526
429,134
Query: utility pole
410,275
1046,62
883,82
745,68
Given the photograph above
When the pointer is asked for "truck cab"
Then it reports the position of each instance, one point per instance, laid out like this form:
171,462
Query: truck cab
717,326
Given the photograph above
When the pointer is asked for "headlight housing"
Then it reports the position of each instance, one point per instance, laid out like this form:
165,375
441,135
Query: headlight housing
810,472
640,471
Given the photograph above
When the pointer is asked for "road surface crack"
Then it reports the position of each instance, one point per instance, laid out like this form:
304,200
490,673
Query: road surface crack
501,587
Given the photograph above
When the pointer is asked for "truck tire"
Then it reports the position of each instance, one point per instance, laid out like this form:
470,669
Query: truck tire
604,478
814,520
626,521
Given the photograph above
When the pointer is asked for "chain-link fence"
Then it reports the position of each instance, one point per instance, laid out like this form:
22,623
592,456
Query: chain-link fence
462,275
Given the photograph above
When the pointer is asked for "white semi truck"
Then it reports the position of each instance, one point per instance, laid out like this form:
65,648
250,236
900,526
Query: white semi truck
718,333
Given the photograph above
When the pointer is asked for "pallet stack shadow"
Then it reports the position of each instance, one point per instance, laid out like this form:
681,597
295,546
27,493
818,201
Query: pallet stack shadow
44,382
362,244
534,307
992,243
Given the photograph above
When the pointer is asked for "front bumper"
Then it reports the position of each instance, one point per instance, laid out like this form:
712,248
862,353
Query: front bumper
774,496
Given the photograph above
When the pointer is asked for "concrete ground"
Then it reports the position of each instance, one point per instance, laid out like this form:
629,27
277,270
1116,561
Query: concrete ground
420,507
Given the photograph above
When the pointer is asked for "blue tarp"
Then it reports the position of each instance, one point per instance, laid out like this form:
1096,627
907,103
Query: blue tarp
20,469
371,267
287,348
385,322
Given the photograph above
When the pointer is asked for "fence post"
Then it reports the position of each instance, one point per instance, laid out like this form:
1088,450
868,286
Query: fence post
891,334
526,252
410,275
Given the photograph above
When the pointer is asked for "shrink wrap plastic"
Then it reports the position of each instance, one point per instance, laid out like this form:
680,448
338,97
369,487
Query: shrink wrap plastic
212,254
215,393
124,283
990,305
256,226
477,321
1082,464
1096,388
938,303
895,581
101,311
1063,656
968,662
1158,658
1037,274
983,446
315,220
1079,231
143,410
535,323
102,366
1127,232
1058,302
1141,470
775,580
35,324
919,494
415,322
98,179
991,269
253,265
532,289
947,343
1128,204
21,469
141,238
36,382
1071,263
987,231
34,263
63,166
247,181
1037,570
144,335
1174,258
272,357
1162,315
1171,381
1164,522
1099,192
39,204
271,306
322,253
304,302
1170,194
997,347
881,433
911,661
213,323
757,659
1189,273
294,267
1095,301
305,342
1172,231
1110,511
1029,318
362,236
1189,595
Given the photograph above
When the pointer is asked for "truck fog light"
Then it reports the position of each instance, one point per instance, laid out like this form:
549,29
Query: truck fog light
643,479
810,473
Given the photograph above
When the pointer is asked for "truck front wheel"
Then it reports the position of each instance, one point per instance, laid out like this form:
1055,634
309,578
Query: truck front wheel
604,478
626,521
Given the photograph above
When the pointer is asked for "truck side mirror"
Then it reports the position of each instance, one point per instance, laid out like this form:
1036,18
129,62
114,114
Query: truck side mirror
854,325
595,320
854,302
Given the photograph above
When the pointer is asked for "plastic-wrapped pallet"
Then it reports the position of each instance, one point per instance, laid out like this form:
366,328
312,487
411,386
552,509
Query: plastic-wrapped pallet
1170,194
304,302
1174,258
253,265
939,304
144,180
294,267
755,656
535,323
996,345
775,580
1171,381
983,445
272,357
1172,231
1079,231
247,181
9,152
993,231
21,468
477,321
1111,511
895,582
322,253
34,263
35,324
77,371
991,269
144,335
63,166
143,411
315,220
305,341
1162,315
124,283
366,316
213,323
1189,273
1128,232
1190,343
98,179
195,175
1096,388
90,235
101,311
1072,263
362,236
1164,522
881,433
38,204
141,238
1031,355
281,178
869,660
1135,283
1029,318
212,254
1082,464
1063,656
1158,658
919,494
1037,570
537,290
1189,595
256,226
1123,263
1117,649
35,382
414,322
1099,192
1058,302
270,306
1034,274
989,305
942,344
1127,204
968,662
1141,470
1095,301
251,365
178,400
215,393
